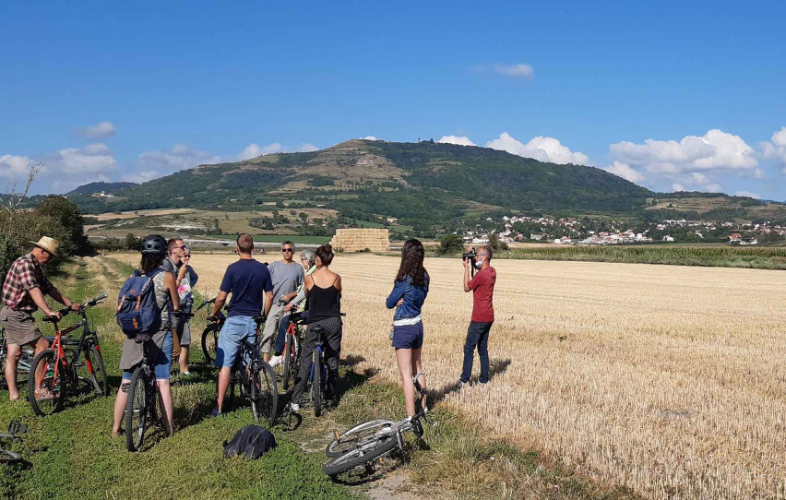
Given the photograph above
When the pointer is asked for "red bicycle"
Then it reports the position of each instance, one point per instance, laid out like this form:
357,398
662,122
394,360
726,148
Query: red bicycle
58,371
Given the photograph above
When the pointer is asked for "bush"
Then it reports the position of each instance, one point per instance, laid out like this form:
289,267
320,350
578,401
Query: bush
450,244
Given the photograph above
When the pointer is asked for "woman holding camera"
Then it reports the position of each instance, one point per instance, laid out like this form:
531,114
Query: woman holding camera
409,293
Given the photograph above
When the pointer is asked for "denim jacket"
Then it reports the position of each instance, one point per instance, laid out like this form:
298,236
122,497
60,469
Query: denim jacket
413,296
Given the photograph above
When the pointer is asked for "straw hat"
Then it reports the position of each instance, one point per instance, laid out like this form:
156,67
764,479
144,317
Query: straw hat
48,244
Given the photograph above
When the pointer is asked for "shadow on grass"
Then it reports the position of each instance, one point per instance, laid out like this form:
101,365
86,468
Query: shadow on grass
496,367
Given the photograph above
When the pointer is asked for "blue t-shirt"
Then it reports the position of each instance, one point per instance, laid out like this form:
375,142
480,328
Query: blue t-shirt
247,280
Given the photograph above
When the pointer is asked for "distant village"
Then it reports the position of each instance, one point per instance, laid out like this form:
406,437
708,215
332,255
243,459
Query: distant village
571,231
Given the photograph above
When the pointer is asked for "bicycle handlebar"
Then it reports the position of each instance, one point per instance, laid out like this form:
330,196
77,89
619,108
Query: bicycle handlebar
68,310
211,301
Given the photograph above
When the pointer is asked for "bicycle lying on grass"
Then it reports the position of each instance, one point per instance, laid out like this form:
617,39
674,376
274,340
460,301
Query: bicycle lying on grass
57,372
15,431
374,439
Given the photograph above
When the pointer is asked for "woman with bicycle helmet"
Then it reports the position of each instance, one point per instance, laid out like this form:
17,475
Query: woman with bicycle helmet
154,251
410,289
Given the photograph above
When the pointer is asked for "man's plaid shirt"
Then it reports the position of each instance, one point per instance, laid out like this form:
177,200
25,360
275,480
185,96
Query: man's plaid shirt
24,275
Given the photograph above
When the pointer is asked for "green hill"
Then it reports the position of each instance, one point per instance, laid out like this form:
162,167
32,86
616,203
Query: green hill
100,187
418,183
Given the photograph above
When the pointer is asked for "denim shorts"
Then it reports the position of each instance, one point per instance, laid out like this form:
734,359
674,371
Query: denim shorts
408,337
163,363
235,330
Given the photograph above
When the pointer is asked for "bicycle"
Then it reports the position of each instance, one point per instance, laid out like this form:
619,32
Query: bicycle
15,431
142,397
291,352
255,377
57,374
374,439
210,334
317,378
22,366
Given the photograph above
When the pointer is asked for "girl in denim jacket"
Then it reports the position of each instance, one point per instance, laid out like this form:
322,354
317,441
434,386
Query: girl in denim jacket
410,289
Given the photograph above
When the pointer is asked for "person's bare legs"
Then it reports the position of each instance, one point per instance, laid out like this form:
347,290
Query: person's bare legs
417,368
12,362
183,359
223,384
404,360
165,394
12,359
120,407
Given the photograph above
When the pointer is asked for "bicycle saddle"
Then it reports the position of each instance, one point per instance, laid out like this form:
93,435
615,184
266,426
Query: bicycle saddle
259,320
297,317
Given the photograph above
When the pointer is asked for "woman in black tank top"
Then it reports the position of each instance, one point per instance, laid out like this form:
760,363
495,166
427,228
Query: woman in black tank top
324,310
323,303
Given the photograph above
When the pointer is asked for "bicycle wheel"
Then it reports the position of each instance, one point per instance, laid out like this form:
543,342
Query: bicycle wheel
47,380
316,383
264,393
289,361
136,410
210,343
360,456
95,364
358,437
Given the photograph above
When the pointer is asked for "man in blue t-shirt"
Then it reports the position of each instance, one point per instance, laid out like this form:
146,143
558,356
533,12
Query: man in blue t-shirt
248,281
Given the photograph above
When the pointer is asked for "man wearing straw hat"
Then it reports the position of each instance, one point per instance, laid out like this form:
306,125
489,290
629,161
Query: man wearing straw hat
23,294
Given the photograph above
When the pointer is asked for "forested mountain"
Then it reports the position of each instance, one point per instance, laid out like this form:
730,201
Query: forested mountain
100,187
419,183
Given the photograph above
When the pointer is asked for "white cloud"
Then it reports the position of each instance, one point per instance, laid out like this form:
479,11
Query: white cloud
748,194
676,187
140,177
714,151
13,167
307,147
253,150
92,159
103,129
713,188
454,139
547,149
370,138
777,148
181,156
514,70
626,172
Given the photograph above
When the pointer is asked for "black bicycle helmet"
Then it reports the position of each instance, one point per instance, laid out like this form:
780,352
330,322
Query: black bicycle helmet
154,244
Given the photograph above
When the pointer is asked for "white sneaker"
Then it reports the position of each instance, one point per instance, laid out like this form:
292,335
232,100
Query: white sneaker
294,407
275,361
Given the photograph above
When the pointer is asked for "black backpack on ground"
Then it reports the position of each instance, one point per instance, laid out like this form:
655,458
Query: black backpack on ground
252,441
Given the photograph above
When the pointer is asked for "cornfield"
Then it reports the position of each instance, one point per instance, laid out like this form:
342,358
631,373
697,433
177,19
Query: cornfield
668,380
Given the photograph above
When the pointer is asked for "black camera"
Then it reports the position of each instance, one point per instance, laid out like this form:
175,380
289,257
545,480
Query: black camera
472,257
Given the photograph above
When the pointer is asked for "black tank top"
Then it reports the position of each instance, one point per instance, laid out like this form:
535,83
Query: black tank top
323,303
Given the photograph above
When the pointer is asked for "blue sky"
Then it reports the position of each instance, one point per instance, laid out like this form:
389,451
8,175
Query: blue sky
671,95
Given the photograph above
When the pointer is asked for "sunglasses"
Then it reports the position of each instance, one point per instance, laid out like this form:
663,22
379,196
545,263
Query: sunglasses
182,247
288,250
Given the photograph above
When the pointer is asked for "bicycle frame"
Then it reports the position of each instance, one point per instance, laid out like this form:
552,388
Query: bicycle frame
60,354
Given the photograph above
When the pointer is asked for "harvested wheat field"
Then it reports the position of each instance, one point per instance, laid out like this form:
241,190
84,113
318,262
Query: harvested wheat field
669,380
